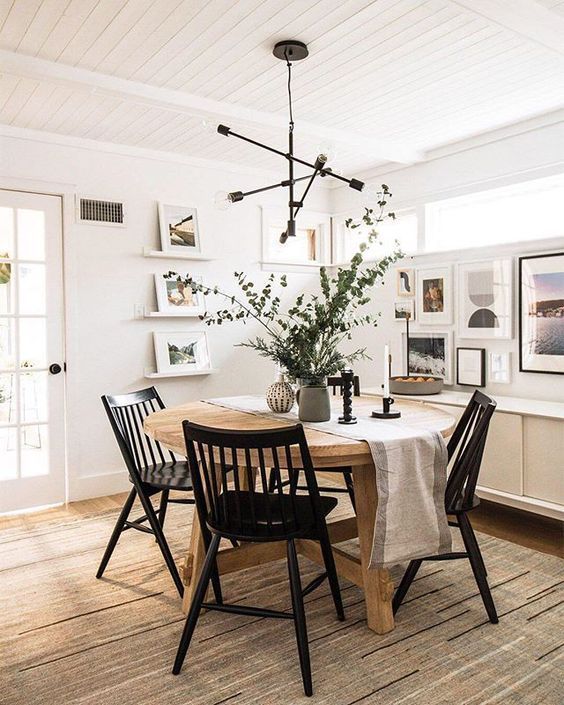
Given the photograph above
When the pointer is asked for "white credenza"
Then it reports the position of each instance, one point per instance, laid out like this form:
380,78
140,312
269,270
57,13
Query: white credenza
523,463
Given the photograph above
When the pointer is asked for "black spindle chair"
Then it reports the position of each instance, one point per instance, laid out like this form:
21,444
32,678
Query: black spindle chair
231,488
465,450
336,385
152,470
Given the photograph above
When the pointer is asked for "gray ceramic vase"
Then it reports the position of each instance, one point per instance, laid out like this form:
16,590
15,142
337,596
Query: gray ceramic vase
314,401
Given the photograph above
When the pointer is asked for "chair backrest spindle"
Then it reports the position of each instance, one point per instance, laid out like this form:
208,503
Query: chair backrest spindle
465,451
127,414
230,472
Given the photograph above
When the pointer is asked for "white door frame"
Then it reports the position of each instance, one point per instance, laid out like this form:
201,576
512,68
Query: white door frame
67,193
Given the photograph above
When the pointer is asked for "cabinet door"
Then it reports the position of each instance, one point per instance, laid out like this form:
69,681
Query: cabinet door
502,465
544,459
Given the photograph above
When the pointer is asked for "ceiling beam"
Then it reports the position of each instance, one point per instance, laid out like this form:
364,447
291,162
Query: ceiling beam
528,18
193,105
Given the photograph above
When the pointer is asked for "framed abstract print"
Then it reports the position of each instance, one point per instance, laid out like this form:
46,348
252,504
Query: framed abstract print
541,313
485,299
405,281
434,295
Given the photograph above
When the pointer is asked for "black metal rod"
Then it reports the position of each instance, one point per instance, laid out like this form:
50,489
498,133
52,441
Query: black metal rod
307,188
273,186
291,157
291,178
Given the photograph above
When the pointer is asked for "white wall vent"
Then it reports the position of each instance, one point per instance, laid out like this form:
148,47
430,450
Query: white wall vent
93,210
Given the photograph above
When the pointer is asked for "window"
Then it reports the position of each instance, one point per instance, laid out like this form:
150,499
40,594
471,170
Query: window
403,229
528,211
310,245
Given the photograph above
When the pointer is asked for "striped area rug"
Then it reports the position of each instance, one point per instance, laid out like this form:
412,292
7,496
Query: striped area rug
69,639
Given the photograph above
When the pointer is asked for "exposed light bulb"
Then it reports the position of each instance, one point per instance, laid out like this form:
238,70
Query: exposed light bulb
328,150
210,126
371,193
222,200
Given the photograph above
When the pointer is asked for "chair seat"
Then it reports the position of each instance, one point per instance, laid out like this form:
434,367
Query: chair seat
460,507
268,506
167,476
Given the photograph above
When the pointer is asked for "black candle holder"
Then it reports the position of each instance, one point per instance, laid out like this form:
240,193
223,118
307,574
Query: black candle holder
347,390
386,413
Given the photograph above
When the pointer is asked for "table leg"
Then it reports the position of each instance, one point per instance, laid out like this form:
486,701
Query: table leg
378,585
193,563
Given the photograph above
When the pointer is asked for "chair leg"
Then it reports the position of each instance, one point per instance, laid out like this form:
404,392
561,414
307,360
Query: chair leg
163,506
405,583
332,577
478,567
162,542
216,584
299,616
347,476
196,605
118,528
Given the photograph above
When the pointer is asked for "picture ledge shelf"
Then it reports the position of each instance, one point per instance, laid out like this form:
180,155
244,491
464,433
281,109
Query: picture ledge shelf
148,252
151,374
164,314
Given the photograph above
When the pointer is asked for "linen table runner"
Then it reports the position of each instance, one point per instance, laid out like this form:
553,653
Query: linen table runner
410,465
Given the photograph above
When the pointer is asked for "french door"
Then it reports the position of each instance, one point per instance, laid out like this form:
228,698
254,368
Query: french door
32,448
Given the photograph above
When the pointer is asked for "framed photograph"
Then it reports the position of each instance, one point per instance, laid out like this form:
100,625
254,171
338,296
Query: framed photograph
541,313
181,351
403,309
471,366
485,300
405,281
429,354
500,368
179,229
176,299
434,295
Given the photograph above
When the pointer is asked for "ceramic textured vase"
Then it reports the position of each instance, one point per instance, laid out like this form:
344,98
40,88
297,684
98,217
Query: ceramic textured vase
314,401
280,396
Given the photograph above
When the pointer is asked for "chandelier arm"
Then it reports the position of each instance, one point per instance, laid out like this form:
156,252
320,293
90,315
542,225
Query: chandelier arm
353,183
307,188
273,186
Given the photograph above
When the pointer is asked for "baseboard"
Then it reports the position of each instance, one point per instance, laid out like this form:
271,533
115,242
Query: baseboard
91,486
529,504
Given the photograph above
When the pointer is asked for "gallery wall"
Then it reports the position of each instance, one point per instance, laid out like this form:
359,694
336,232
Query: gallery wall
106,276
508,158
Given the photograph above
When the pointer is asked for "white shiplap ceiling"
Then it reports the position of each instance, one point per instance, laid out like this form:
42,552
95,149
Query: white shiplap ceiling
386,80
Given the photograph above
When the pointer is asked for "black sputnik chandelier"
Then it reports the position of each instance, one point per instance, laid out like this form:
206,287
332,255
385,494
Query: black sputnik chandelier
289,51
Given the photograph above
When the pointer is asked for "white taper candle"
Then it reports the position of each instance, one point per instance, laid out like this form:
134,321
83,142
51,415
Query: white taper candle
386,370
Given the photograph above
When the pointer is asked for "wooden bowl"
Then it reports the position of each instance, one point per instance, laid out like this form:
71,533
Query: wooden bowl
417,384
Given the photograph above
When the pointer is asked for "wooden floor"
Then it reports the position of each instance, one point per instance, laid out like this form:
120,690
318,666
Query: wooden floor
523,528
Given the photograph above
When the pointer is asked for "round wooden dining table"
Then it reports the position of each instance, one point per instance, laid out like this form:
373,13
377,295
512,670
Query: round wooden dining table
327,451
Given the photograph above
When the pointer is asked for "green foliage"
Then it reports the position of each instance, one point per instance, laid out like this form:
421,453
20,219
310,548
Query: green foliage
306,339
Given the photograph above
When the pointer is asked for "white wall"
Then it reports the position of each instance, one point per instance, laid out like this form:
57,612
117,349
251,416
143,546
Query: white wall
532,154
106,275
107,351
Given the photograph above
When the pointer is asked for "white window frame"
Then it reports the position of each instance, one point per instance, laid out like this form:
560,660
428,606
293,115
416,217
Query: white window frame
311,220
339,231
431,214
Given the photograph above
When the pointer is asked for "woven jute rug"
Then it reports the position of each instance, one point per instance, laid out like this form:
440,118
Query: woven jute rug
67,638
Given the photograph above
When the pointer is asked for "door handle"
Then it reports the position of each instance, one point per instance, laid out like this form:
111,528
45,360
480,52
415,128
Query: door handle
55,368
